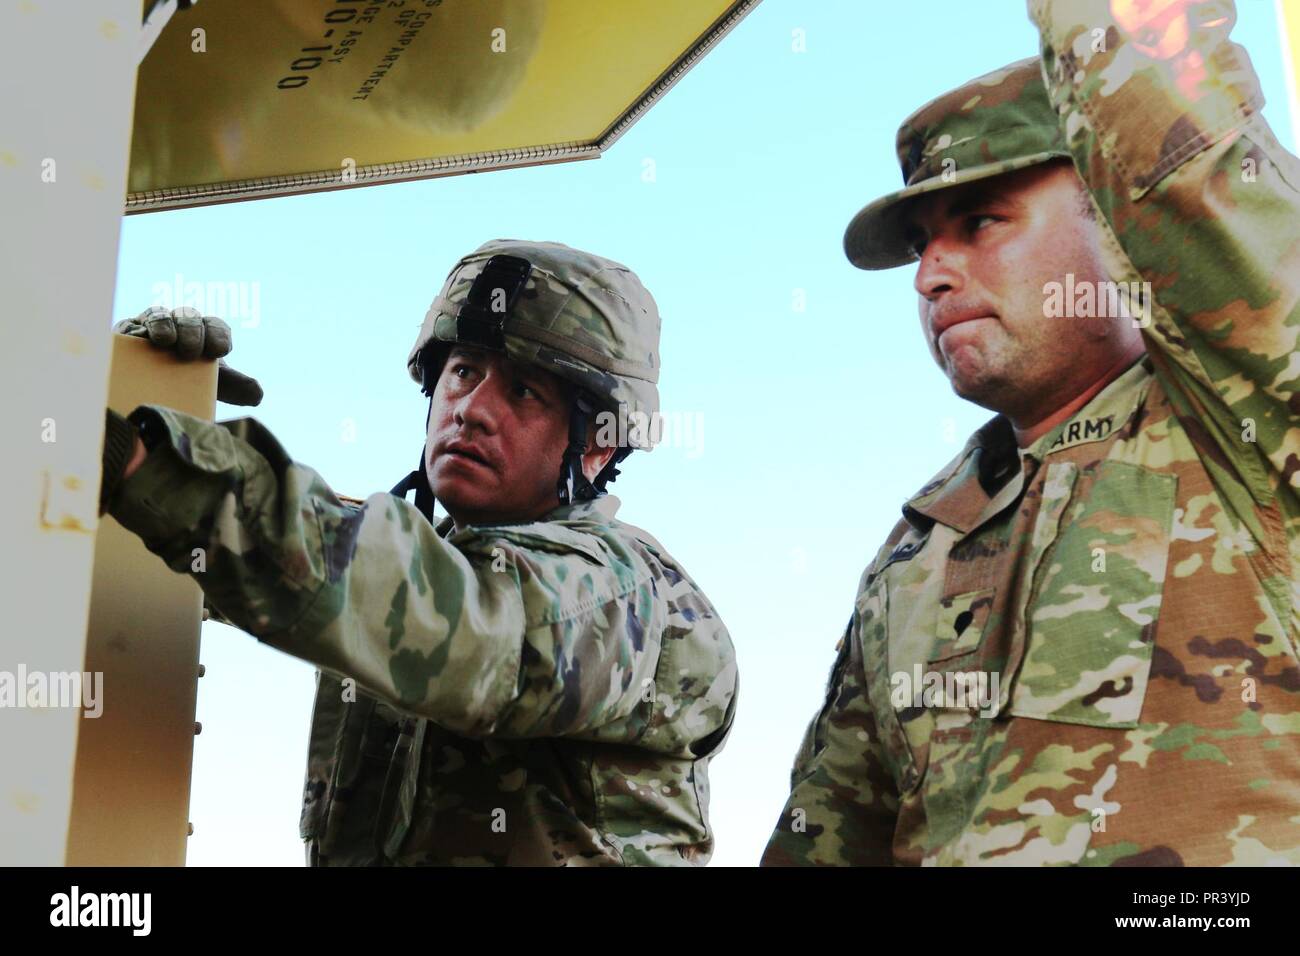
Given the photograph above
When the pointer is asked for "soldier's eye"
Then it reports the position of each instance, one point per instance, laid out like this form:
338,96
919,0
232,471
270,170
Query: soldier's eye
463,371
977,221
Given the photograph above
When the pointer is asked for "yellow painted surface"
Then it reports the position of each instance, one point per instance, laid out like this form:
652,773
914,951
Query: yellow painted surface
131,788
293,86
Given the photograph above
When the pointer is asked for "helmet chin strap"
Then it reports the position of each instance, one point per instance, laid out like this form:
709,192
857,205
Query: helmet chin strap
419,479
573,485
423,493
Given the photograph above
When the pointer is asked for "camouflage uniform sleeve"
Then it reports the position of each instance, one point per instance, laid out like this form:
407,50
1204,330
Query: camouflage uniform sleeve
1162,117
843,800
486,636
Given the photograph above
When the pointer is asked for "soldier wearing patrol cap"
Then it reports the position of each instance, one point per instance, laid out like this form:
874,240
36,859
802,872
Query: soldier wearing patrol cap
1081,644
529,682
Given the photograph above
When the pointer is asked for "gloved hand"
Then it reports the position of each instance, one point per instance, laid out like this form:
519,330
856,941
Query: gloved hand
191,335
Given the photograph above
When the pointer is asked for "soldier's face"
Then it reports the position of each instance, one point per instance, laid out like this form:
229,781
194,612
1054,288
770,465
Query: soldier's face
989,250
497,434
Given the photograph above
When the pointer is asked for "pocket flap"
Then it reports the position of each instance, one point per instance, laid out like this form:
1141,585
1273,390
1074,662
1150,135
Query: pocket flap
961,623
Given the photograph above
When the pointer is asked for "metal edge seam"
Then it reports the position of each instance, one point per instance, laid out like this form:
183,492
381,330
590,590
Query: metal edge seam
181,196
668,79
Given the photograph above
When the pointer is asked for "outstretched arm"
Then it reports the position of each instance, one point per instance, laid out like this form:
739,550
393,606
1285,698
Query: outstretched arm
482,633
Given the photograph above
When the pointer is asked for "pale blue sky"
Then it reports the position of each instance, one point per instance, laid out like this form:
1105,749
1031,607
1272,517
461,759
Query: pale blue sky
817,424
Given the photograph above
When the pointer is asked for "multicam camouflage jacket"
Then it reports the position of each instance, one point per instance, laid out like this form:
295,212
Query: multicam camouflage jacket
547,693
1123,591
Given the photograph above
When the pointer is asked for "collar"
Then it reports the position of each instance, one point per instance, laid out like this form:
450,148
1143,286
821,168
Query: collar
1108,411
601,509
961,494
958,495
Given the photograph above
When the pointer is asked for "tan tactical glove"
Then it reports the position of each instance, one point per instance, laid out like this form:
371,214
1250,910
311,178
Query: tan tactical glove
191,335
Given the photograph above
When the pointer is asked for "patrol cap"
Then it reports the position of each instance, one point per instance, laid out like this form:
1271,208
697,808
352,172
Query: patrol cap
582,317
997,123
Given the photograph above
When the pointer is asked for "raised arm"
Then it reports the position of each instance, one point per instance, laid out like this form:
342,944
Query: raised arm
1161,111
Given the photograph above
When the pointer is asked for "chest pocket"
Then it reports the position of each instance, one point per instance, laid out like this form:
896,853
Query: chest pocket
1102,548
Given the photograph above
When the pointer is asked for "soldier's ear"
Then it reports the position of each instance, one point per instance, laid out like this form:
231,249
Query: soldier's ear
595,458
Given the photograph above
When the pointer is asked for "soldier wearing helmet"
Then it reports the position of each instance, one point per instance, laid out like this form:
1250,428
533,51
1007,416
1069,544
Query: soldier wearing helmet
585,322
529,682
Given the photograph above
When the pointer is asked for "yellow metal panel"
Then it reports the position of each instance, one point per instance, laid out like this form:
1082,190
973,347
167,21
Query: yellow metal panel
131,790
237,90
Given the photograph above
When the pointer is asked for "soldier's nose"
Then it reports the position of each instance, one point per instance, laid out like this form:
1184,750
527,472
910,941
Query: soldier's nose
938,271
478,409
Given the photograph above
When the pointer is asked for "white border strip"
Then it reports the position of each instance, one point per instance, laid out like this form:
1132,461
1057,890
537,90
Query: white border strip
151,29
1289,70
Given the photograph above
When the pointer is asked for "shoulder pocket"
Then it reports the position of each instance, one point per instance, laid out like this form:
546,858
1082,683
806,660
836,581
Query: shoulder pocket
961,624
873,633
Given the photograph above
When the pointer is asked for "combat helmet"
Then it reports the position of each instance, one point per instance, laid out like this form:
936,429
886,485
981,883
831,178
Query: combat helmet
584,318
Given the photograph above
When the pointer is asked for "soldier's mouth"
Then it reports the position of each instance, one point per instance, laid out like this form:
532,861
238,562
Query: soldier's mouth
963,322
943,323
466,454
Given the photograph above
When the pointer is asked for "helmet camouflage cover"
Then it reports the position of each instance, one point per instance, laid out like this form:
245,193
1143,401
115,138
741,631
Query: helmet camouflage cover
587,319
